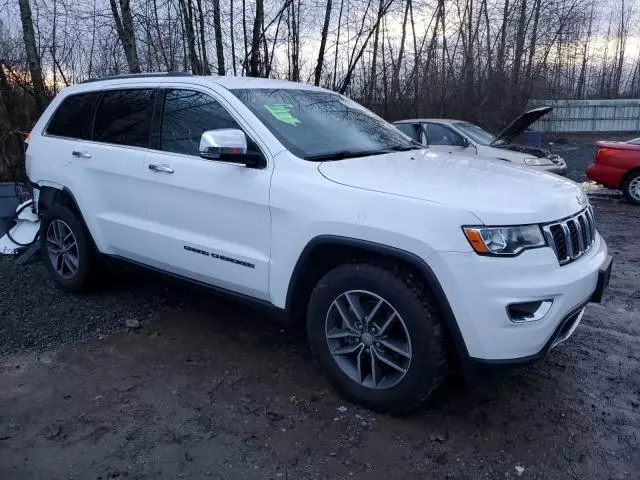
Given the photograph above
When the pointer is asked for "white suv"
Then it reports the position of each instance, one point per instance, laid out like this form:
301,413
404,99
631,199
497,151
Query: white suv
400,263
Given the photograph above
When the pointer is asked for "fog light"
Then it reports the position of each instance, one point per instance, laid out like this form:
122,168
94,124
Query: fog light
529,311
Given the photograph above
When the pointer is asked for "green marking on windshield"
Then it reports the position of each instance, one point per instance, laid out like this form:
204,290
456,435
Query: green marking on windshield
282,112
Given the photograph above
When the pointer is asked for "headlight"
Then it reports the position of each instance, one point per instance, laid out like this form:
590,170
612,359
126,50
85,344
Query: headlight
538,162
504,240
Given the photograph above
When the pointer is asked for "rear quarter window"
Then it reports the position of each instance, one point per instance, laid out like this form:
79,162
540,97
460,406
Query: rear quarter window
74,116
124,117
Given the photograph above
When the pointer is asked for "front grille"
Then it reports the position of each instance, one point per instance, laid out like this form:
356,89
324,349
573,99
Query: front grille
572,237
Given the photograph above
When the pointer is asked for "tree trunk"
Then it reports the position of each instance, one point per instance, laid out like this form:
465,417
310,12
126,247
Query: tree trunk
273,45
126,33
335,58
233,41
205,61
254,62
165,59
265,51
295,41
395,84
519,48
218,34
187,14
503,38
323,43
33,59
532,42
244,35
374,60
443,80
583,67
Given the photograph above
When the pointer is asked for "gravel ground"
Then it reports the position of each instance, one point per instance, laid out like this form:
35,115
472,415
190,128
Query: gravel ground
208,388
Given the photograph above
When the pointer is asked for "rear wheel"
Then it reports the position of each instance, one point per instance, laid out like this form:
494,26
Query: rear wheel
378,336
67,251
631,188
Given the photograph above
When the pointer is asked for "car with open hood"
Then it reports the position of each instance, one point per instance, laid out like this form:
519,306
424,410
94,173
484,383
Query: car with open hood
457,136
400,262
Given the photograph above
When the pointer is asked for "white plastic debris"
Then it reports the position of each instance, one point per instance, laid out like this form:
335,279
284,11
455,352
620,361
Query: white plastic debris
23,233
519,470
342,409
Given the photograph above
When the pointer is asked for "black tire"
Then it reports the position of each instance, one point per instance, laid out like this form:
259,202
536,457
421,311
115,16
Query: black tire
85,275
429,364
630,180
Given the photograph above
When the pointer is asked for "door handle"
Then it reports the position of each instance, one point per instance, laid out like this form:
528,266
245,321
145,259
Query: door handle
79,154
160,168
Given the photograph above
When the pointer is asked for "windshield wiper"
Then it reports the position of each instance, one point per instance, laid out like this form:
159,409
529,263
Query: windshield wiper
405,148
342,154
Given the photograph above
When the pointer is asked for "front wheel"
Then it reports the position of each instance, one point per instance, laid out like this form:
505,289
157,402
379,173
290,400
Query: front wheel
378,335
631,188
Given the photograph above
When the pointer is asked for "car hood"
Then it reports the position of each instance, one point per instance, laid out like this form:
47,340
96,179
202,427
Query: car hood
497,192
520,124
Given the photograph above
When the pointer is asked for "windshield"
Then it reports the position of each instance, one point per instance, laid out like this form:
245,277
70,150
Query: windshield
475,133
318,125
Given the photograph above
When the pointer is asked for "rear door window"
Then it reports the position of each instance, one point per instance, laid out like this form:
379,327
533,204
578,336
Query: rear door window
187,114
124,117
74,116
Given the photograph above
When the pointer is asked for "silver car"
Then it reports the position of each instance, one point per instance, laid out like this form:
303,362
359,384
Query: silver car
457,136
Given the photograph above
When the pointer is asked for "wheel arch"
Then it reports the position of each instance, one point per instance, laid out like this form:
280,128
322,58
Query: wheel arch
325,252
50,195
625,178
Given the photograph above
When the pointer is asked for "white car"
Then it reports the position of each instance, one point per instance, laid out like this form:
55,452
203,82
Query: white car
400,262
455,136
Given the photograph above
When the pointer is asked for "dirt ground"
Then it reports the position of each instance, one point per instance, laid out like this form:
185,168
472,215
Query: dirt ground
207,388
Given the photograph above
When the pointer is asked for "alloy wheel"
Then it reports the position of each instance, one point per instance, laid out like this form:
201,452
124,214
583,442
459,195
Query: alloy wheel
634,188
368,339
62,248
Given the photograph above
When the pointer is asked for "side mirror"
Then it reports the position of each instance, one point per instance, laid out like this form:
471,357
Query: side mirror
228,145
465,142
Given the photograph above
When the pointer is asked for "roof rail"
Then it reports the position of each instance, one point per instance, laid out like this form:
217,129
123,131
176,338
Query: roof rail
139,75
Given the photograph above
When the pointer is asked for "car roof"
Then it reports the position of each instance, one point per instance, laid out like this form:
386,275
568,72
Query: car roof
229,82
432,120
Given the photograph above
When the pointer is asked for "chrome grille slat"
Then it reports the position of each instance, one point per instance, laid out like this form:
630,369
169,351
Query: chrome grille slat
571,237
592,224
567,239
576,222
584,231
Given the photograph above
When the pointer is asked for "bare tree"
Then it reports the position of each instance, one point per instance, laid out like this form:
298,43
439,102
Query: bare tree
395,86
323,43
441,58
124,26
218,34
204,66
254,62
374,57
33,58
233,42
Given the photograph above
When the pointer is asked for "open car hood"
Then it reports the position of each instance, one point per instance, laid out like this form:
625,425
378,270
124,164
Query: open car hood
520,124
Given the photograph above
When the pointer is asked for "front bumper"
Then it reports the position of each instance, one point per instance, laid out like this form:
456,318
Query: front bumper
479,289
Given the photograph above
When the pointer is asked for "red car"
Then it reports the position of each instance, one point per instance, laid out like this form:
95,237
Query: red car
617,165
